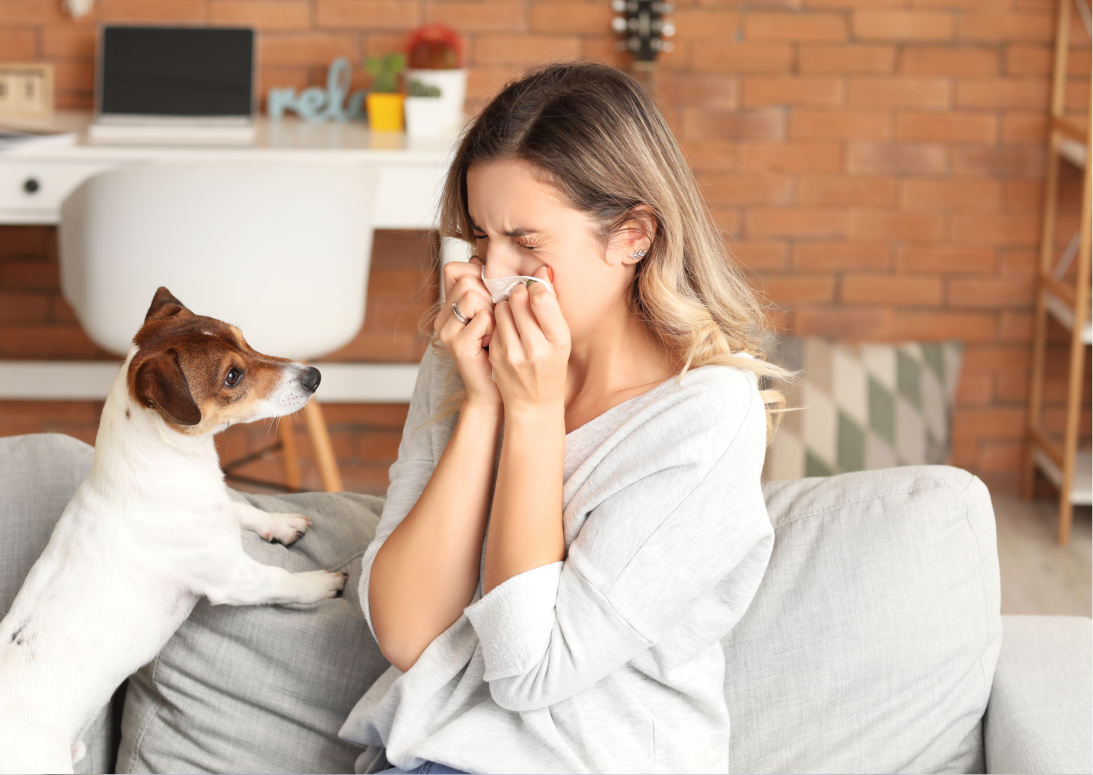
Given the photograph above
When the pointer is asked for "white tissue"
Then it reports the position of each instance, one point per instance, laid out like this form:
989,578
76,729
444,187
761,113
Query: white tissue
501,287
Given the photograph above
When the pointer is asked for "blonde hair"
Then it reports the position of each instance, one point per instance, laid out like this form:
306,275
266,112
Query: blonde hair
595,134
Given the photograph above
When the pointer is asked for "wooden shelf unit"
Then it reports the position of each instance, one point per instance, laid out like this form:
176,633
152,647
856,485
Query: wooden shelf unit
1067,467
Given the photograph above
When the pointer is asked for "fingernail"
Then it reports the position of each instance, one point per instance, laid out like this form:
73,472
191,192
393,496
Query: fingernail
550,275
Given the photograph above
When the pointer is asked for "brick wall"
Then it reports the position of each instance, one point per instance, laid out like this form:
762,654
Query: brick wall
876,165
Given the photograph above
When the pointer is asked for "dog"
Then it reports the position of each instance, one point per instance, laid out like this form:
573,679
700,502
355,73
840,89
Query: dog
148,533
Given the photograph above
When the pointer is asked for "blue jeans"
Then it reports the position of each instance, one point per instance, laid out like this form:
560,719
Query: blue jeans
428,766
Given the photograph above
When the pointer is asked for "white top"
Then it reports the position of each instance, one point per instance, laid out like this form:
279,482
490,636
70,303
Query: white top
610,660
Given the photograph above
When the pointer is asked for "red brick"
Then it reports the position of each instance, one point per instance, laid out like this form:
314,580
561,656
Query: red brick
306,48
847,190
888,224
945,259
25,12
746,188
901,92
791,157
1001,456
742,57
368,14
565,17
846,59
1079,62
1077,96
1024,127
900,158
761,255
845,325
697,91
494,49
1006,27
761,25
24,307
45,342
890,289
1019,161
838,124
945,60
790,90
1022,195
925,194
18,44
989,292
1019,262
73,74
709,154
937,326
1026,59
22,241
834,256
946,127
996,358
30,274
263,14
990,423
691,23
159,11
975,389
794,221
903,25
1009,228
1023,93
69,42
792,290
753,124
1015,326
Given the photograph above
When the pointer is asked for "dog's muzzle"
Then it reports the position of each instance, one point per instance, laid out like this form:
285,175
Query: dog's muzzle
310,379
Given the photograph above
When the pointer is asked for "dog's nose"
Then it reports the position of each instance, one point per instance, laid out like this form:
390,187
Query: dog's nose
311,378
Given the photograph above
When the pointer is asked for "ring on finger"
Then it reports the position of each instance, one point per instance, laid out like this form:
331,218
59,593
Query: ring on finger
459,315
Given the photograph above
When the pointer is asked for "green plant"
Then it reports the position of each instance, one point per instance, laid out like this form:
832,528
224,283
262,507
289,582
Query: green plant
418,89
384,71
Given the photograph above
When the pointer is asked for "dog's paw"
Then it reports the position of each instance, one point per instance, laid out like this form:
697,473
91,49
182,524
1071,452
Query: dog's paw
319,585
284,528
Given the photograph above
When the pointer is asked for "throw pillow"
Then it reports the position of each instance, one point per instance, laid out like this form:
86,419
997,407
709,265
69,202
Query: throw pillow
264,688
864,406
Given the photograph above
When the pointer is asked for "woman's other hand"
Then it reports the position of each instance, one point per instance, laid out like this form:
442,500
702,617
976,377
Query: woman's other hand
530,350
466,342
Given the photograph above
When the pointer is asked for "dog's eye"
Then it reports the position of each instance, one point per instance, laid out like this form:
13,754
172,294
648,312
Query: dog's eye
233,376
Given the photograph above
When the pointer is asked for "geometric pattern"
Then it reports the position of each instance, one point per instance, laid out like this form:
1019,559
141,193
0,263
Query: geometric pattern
864,406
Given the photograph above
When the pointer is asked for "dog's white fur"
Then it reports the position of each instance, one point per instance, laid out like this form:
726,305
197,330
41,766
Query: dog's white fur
150,531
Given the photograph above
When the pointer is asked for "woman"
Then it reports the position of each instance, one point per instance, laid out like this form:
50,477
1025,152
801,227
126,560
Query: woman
605,423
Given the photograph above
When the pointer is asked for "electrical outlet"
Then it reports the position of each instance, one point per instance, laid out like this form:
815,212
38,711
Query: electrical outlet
26,89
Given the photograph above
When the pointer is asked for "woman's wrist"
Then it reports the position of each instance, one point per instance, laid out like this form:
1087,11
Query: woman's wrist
488,415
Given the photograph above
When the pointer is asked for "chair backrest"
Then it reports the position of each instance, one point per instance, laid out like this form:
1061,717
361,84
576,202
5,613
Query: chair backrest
279,248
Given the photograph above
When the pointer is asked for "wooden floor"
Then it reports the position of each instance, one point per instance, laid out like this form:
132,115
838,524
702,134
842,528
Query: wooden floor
1038,575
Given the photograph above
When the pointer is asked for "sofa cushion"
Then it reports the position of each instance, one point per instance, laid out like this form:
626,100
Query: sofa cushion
39,474
863,406
264,688
872,641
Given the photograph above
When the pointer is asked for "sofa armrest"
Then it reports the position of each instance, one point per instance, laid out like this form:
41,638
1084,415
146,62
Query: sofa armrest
1039,713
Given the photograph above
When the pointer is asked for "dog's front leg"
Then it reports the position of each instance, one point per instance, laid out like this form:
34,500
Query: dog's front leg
243,581
271,525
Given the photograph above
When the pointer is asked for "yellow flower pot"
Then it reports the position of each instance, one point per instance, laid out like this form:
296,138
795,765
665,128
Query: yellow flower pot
384,112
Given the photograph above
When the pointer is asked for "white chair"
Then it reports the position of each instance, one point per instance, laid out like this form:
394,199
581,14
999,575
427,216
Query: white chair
280,249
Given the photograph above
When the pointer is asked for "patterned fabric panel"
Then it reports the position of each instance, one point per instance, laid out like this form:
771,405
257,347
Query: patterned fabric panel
863,406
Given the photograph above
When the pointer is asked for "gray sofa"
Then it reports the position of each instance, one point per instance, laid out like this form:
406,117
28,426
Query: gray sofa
874,644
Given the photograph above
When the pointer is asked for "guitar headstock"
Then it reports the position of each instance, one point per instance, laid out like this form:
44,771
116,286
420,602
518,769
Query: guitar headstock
645,27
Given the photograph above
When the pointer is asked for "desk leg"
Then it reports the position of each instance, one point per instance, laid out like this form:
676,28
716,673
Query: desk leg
324,450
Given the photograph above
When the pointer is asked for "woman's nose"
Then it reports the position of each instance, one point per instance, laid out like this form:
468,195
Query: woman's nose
500,263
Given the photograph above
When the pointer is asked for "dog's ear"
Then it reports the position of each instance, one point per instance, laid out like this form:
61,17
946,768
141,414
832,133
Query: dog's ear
160,384
164,305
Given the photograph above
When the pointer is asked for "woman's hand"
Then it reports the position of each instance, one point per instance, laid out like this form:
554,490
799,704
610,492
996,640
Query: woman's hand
466,342
530,349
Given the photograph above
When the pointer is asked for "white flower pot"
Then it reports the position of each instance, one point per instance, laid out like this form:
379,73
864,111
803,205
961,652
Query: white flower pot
425,116
453,91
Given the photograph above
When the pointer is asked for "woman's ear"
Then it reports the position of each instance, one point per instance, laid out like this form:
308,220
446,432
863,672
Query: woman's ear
637,233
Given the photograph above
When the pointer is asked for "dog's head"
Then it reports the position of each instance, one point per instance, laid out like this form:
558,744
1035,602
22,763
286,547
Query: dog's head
199,373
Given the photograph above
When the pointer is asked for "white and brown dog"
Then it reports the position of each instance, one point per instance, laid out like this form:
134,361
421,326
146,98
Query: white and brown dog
149,532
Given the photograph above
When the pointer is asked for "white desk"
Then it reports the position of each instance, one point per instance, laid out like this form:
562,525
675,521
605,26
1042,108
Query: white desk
34,180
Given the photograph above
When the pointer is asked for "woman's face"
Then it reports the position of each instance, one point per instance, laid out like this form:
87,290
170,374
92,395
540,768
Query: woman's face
521,224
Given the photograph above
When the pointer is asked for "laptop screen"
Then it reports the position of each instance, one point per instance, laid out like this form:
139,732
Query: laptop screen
176,71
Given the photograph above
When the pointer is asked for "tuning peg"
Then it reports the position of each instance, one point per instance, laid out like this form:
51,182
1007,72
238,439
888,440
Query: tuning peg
618,6
635,44
622,45
618,24
632,6
668,30
667,45
664,8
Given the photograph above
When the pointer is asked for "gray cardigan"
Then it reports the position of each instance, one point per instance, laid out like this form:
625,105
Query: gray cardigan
611,660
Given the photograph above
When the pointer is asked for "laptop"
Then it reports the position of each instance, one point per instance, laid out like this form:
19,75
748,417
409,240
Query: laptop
175,85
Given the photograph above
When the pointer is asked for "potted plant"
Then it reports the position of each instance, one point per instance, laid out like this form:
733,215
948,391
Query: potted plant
435,58
384,101
425,111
